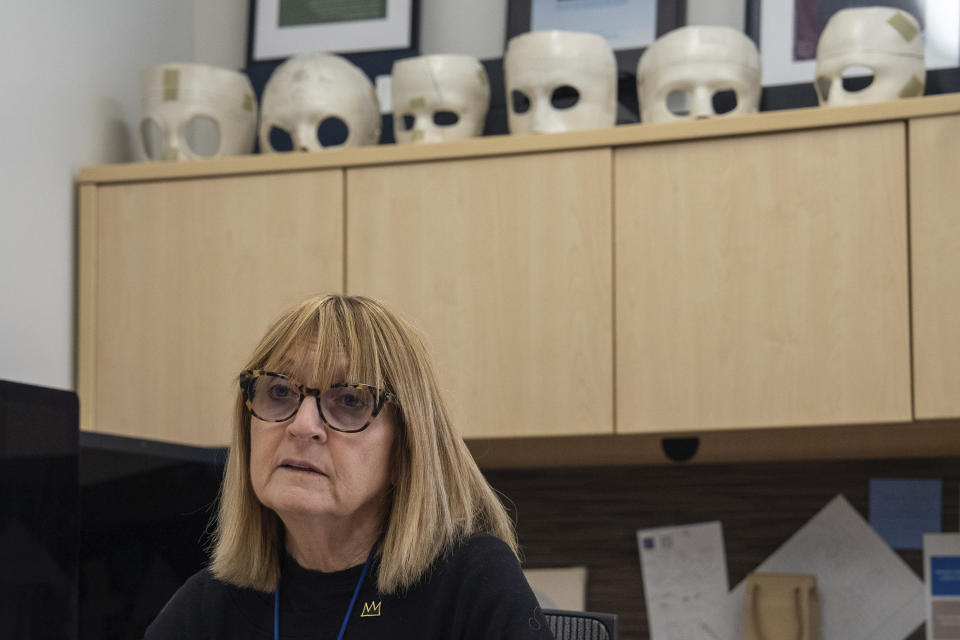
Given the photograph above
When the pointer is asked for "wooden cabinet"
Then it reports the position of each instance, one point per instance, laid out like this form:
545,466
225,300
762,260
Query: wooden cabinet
610,287
504,264
935,261
180,279
762,281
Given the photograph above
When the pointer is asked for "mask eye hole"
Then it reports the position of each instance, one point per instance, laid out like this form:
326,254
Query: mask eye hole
445,118
203,136
857,78
519,101
151,133
280,139
564,97
332,132
407,120
724,101
678,102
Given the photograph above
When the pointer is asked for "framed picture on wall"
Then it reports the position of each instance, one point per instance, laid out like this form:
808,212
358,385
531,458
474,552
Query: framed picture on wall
281,28
628,25
787,31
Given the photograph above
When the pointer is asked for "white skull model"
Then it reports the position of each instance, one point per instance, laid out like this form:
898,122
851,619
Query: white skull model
692,65
560,81
194,110
309,90
439,97
883,39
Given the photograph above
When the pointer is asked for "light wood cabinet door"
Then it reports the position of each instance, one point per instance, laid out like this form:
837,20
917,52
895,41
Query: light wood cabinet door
180,280
935,258
762,281
504,264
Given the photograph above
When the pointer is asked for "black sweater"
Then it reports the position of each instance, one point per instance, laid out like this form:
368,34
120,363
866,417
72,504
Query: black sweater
476,592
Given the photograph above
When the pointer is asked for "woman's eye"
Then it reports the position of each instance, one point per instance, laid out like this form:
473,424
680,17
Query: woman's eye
352,399
280,392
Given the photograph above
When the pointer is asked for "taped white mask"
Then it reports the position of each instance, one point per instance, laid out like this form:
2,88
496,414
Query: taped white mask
439,97
192,111
698,72
316,100
884,41
560,81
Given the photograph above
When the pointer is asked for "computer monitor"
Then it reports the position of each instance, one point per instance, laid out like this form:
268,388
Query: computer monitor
39,512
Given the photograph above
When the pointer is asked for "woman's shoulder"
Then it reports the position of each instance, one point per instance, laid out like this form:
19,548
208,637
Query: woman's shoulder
482,585
482,556
483,547
195,591
199,603
182,608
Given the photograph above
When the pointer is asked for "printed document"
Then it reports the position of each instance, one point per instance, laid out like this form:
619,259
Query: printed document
684,580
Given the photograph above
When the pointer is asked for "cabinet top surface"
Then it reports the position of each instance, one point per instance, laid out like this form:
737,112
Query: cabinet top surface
630,134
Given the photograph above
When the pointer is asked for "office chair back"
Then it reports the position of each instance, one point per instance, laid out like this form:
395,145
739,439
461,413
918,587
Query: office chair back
581,625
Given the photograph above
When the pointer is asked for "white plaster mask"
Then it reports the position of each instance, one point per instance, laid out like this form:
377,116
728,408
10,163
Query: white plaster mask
883,39
318,100
698,72
439,97
560,81
193,111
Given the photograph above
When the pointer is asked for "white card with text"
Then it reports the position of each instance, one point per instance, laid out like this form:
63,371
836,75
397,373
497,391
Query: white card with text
684,580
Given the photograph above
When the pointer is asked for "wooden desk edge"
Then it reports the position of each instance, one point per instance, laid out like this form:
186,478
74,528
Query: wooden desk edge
630,134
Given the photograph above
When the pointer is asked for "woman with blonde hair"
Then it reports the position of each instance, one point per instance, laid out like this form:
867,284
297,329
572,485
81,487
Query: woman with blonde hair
350,508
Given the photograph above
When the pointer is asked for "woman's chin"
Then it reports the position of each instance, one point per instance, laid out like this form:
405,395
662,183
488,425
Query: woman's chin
299,502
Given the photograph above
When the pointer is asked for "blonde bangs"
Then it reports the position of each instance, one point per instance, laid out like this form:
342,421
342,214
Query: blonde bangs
324,341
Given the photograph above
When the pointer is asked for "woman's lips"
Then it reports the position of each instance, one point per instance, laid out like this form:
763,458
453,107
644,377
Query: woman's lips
301,466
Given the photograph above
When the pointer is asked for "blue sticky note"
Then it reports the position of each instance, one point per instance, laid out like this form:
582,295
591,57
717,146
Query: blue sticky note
901,511
945,576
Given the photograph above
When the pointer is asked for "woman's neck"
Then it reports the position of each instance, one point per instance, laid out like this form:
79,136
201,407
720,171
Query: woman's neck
330,548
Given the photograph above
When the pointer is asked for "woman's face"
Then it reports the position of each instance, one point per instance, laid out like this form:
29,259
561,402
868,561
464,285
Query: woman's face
303,469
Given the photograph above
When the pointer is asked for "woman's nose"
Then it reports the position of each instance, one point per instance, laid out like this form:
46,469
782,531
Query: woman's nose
307,423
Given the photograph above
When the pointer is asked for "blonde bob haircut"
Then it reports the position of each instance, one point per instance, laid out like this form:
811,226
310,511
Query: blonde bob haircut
439,496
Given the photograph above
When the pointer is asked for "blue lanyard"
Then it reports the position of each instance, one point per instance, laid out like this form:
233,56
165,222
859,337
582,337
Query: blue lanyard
346,618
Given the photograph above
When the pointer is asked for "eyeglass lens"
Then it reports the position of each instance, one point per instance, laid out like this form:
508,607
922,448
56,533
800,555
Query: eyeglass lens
344,408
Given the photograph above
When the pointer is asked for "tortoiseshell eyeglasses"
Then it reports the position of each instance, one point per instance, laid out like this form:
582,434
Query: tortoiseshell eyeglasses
346,407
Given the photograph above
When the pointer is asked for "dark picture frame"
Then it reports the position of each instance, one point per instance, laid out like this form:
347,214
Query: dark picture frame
363,35
671,14
796,26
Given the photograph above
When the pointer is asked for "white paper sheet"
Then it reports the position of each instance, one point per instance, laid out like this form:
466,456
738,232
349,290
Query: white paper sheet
684,580
867,592
941,567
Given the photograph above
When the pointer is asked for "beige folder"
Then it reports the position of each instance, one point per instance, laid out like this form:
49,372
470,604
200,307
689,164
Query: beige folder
781,606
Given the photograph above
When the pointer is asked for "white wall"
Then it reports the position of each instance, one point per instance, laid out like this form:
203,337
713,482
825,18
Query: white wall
472,27
69,93
220,36
727,13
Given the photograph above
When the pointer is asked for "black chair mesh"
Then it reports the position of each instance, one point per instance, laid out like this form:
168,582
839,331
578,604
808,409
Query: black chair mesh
570,626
